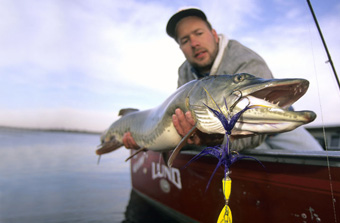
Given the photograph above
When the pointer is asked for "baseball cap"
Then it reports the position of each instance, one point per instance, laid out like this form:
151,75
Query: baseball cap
171,26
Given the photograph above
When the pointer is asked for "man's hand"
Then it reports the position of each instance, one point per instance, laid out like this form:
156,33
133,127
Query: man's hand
129,142
183,123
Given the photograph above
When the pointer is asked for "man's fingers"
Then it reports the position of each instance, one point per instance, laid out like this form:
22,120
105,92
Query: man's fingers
177,126
189,118
197,140
125,140
129,142
183,122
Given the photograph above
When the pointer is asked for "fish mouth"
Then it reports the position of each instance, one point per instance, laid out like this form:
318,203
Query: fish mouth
270,104
280,93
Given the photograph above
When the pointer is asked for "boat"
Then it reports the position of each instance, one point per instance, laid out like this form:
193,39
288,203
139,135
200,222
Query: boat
291,186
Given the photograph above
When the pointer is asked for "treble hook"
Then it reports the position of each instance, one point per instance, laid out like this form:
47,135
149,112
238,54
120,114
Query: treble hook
240,96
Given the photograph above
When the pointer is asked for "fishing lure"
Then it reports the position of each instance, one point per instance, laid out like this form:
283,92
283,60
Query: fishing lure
222,152
225,156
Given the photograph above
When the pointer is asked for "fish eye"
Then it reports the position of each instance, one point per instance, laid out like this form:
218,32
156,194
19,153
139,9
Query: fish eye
242,76
239,78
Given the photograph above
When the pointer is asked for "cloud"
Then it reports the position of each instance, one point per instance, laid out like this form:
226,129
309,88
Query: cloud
227,16
292,48
73,60
110,41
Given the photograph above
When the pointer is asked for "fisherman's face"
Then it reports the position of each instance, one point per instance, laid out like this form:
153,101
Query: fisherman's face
198,43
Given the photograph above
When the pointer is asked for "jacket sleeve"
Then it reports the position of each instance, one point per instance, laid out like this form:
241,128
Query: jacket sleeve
185,74
240,59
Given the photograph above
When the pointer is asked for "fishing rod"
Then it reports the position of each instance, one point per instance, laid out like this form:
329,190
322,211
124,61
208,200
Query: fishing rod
337,79
324,43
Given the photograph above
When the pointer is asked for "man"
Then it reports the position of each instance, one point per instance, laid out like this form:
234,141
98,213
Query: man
208,53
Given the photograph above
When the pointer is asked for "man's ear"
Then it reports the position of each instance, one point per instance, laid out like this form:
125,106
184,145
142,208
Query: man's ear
215,35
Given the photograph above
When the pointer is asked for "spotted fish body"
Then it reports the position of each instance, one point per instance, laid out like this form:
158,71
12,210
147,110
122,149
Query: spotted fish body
270,98
153,128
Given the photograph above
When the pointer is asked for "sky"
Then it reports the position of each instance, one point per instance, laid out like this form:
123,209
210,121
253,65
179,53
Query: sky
73,64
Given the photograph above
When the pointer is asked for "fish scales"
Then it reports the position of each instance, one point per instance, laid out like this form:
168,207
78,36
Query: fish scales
269,98
150,127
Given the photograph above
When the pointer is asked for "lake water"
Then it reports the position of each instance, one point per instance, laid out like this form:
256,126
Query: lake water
54,177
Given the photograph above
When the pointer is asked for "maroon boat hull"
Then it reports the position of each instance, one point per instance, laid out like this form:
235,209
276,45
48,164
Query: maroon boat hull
291,188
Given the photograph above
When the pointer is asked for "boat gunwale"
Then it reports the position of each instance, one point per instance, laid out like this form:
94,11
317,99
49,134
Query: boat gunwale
303,157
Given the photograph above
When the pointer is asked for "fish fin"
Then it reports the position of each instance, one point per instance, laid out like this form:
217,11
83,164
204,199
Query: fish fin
109,146
180,145
165,156
138,151
125,111
98,161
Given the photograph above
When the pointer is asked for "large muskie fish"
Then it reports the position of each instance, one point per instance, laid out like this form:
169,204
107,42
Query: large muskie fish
269,98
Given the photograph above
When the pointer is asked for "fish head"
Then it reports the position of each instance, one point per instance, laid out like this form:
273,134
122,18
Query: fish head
269,102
